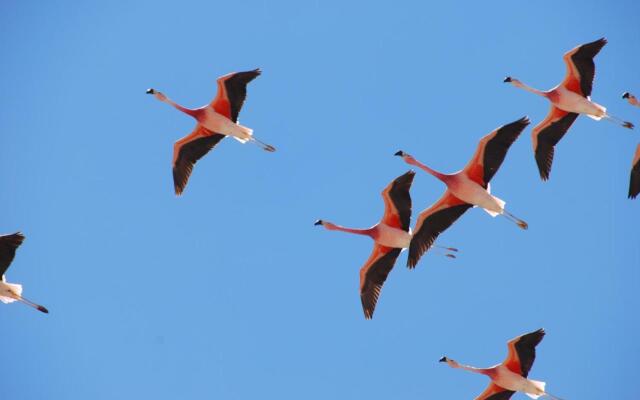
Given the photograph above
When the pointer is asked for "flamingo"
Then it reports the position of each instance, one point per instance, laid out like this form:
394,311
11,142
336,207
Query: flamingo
214,121
465,189
10,292
391,235
634,181
568,99
511,376
631,99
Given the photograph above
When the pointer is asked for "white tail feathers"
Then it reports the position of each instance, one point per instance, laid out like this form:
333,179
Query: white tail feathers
243,134
601,108
500,202
15,288
540,386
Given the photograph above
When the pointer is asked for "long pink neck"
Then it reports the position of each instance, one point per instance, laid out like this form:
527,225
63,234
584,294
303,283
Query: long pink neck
483,371
367,232
529,88
443,177
185,110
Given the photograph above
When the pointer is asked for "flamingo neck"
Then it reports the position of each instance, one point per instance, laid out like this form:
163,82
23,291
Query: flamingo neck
483,371
443,177
185,110
529,88
366,232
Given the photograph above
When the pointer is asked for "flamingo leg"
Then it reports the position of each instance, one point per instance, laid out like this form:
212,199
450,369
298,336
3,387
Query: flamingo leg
515,219
616,120
264,146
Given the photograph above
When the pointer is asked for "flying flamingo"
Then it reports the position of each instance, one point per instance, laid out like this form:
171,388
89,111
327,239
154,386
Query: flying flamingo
10,292
214,121
465,189
631,99
568,99
511,376
391,235
634,181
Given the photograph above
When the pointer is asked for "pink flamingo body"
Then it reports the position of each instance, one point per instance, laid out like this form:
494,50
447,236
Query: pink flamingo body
390,236
568,99
511,376
465,189
10,292
215,121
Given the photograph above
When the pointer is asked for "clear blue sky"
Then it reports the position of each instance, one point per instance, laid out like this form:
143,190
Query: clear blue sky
230,292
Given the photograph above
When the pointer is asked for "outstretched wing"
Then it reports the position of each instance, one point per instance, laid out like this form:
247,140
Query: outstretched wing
495,392
232,91
581,68
8,246
373,275
547,134
187,151
432,222
492,150
634,180
522,352
397,202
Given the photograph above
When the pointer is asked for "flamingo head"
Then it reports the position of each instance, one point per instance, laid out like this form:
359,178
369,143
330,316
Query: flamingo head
626,95
319,222
449,361
408,158
156,94
512,81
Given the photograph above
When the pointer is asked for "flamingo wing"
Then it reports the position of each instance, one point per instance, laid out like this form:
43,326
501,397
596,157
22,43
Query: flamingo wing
547,134
432,222
492,150
188,151
495,392
634,181
397,202
8,246
522,352
373,274
580,67
232,91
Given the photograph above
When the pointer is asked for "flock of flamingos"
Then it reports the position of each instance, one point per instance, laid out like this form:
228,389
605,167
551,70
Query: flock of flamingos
466,188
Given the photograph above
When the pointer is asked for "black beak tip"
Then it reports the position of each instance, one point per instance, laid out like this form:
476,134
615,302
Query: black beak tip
399,153
443,359
507,79
150,91
318,222
42,309
625,95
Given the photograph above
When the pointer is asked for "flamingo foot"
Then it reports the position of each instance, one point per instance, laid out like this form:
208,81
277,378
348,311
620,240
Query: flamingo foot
628,124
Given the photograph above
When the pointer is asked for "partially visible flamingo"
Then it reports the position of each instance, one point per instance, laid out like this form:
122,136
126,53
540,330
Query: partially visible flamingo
634,181
568,99
214,121
511,376
391,235
631,99
465,189
10,292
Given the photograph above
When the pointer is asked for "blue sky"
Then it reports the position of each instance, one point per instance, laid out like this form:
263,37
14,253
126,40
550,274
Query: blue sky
230,292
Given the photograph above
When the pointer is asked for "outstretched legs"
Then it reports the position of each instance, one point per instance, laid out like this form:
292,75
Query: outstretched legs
264,146
616,120
515,219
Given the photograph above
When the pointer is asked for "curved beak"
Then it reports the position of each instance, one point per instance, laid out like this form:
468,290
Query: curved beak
318,222
151,91
443,359
625,95
399,153
507,79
